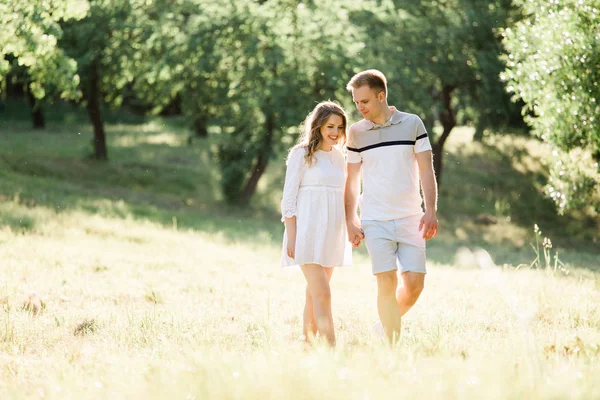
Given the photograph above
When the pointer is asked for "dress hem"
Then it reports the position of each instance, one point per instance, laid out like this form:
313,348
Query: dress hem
329,266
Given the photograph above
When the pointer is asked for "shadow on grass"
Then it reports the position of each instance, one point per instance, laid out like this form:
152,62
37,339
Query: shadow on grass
144,192
154,174
14,218
489,182
17,112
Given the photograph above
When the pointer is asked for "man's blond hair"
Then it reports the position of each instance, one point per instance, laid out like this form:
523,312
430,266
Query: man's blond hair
372,78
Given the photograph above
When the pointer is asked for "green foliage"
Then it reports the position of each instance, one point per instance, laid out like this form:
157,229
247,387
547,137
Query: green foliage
28,39
251,70
553,67
235,156
438,45
107,37
441,61
184,43
280,60
573,181
111,46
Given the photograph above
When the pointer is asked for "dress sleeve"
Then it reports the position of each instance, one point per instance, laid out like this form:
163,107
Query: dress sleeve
293,177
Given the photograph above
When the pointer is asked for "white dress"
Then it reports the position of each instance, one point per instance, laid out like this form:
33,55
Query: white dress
315,195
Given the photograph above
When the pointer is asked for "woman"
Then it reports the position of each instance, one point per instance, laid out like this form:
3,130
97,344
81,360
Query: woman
313,211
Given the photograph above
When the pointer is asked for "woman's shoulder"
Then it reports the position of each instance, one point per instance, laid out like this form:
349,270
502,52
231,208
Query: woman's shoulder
296,153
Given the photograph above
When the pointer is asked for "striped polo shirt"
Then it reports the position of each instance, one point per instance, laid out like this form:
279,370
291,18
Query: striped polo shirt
389,166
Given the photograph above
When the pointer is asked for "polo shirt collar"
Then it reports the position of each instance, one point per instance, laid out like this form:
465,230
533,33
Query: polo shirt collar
395,119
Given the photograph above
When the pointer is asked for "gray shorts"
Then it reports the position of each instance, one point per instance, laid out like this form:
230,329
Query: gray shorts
395,244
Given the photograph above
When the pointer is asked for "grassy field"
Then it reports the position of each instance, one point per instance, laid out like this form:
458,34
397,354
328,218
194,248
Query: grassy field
132,280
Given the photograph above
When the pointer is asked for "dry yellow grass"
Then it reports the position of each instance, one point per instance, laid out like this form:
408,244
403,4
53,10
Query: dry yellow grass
135,310
119,308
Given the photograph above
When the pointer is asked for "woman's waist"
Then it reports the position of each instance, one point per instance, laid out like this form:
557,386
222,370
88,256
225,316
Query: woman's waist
321,188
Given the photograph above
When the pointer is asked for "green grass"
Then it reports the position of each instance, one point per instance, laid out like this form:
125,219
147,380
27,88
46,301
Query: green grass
154,288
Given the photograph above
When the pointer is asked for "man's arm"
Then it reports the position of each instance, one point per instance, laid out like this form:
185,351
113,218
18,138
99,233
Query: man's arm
355,234
429,222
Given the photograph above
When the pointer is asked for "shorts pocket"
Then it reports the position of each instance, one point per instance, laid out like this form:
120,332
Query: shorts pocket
375,229
366,226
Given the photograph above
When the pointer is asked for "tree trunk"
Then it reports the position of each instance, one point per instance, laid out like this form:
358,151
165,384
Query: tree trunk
93,108
200,127
37,115
448,120
479,132
261,161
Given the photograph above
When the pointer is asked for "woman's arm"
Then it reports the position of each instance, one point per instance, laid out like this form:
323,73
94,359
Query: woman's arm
290,227
293,177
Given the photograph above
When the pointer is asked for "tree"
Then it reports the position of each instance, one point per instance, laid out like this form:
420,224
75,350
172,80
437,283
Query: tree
252,69
262,94
186,60
28,49
283,57
554,67
102,43
18,77
441,57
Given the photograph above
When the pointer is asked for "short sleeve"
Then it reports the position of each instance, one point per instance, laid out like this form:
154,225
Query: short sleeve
353,155
293,178
422,139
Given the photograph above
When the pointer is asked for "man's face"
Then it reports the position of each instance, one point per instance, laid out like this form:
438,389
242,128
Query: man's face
367,102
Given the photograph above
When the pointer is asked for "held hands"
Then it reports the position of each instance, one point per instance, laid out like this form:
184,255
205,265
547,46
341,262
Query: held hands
355,233
429,225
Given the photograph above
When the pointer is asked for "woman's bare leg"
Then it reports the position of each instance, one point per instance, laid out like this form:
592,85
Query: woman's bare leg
317,279
309,329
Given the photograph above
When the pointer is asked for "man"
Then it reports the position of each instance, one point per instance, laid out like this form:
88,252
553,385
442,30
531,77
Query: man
393,151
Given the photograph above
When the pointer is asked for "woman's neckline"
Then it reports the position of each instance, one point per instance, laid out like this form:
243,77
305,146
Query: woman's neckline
326,151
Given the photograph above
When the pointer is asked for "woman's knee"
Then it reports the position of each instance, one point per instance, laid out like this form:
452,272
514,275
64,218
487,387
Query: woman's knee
321,294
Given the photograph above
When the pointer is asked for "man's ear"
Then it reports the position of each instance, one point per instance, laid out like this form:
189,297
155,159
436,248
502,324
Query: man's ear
381,96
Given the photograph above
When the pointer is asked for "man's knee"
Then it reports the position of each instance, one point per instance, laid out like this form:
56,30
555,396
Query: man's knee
413,286
415,291
387,282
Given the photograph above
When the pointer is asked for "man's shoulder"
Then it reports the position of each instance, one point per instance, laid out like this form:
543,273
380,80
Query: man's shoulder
405,116
410,121
360,126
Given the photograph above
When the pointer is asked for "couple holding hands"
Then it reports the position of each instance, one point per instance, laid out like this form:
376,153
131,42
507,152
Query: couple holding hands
321,196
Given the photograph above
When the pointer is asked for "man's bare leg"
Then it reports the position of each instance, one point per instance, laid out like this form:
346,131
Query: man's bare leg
387,306
408,294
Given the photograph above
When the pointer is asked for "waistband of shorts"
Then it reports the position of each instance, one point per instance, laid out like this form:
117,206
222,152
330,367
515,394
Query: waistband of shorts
399,219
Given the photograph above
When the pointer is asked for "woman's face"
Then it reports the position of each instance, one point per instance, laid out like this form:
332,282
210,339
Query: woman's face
332,131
